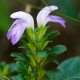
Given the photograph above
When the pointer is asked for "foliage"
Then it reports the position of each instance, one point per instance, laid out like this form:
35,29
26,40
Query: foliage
70,69
30,66
6,70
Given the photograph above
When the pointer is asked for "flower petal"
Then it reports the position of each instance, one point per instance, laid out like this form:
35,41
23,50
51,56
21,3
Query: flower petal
24,16
12,31
56,19
41,17
15,38
13,24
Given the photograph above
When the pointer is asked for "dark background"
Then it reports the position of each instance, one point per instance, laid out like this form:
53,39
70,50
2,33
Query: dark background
70,36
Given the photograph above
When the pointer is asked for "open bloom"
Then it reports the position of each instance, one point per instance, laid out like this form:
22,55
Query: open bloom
43,16
25,20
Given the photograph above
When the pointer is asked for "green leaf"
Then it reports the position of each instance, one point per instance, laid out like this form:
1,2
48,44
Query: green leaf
29,53
70,69
55,61
19,58
33,73
14,78
20,77
20,55
57,71
57,50
19,70
50,74
42,53
23,65
5,70
47,49
11,67
23,47
52,34
20,64
3,64
24,40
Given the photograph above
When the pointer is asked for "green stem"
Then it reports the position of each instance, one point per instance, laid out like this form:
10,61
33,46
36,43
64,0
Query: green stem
36,7
61,13
66,16
44,2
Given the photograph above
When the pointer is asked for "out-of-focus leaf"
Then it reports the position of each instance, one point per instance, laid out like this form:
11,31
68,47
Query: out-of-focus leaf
5,70
42,53
67,7
70,69
11,68
50,74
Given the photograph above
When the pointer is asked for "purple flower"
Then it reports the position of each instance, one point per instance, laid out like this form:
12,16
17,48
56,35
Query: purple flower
24,20
43,16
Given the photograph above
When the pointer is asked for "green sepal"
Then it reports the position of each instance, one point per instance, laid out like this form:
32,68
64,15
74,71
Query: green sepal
32,47
30,34
32,61
45,43
57,50
41,32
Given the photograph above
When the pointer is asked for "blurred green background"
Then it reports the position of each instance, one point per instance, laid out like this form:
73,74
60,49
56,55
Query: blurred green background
69,36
